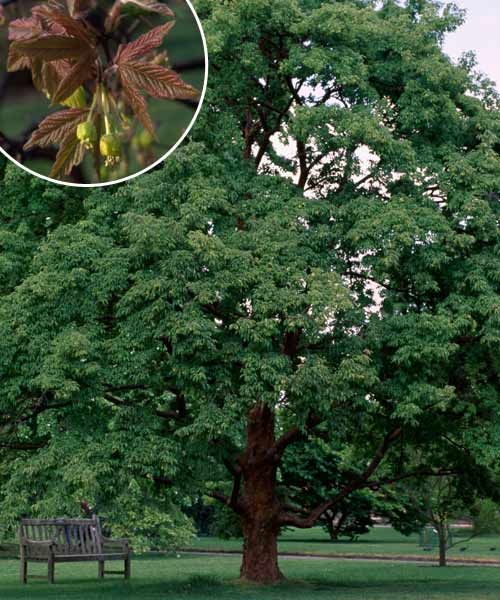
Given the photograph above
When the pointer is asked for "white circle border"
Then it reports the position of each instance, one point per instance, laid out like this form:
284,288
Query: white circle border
157,162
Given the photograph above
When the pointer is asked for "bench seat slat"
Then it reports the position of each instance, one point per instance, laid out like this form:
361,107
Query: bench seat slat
91,557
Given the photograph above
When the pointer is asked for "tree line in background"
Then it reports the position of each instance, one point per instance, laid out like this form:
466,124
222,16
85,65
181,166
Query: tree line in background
297,314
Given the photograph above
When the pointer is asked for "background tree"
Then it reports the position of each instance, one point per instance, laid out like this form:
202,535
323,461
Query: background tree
314,470
250,294
486,518
471,495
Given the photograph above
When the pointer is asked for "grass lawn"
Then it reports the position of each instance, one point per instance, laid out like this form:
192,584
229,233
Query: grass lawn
380,540
195,578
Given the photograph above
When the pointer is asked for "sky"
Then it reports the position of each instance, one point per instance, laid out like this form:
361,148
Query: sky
481,33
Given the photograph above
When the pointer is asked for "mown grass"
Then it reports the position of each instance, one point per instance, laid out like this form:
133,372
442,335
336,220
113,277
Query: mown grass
201,578
383,541
380,540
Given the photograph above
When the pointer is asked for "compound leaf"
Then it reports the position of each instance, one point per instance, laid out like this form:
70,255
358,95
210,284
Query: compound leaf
143,44
51,47
71,153
56,127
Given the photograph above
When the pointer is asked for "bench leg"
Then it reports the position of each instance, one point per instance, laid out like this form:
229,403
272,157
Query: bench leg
100,569
51,570
24,571
127,567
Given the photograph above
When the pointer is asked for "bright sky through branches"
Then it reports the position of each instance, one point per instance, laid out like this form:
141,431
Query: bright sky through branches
480,33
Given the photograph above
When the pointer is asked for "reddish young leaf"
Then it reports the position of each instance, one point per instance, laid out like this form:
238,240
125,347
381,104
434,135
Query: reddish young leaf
51,47
50,78
143,44
37,74
76,7
17,61
22,29
113,16
73,27
56,127
71,153
151,6
46,76
44,13
56,71
138,104
61,66
82,70
156,80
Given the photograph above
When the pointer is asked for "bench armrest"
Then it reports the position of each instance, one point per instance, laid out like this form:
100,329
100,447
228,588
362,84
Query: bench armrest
37,548
123,542
28,542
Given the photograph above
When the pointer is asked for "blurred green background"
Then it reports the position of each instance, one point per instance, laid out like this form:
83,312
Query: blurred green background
22,107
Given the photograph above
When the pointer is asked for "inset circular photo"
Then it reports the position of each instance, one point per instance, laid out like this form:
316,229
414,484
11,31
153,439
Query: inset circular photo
94,92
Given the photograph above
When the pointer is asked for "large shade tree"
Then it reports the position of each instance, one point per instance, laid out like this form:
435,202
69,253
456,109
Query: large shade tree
323,255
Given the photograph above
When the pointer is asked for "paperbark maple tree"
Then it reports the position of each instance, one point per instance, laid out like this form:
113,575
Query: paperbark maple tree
246,296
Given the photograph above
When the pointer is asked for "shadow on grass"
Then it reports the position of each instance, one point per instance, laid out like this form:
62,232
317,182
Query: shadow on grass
347,542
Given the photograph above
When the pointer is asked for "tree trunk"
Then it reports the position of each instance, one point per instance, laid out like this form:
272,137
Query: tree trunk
336,527
261,507
260,552
330,527
443,545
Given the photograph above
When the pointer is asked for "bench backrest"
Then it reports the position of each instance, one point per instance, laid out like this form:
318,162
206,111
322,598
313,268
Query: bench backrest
71,536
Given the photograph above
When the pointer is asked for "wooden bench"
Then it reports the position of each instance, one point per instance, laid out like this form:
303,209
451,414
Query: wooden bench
69,540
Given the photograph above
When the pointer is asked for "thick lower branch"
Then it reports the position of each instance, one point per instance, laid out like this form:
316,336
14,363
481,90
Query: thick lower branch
356,484
39,406
237,506
19,445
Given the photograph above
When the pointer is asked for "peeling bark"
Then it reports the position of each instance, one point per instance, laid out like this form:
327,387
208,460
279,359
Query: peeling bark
261,507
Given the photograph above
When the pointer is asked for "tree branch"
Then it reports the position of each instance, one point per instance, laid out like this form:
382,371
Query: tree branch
166,481
219,496
295,434
235,492
39,406
417,473
303,167
269,132
164,414
357,483
18,445
125,388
